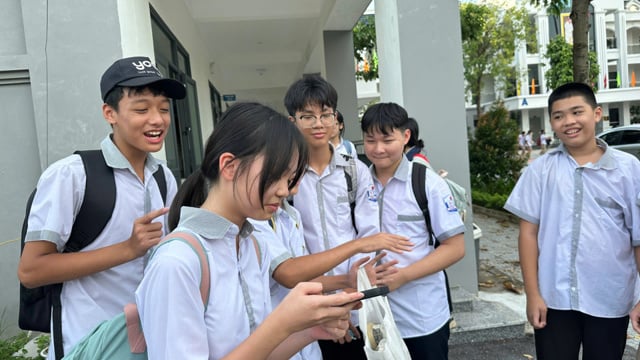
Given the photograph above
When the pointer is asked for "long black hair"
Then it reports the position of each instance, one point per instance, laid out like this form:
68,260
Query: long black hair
245,130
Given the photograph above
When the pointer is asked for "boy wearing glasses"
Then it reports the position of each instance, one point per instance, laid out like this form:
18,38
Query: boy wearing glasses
322,198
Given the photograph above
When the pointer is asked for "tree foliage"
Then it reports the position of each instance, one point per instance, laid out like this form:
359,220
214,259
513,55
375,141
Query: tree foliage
494,162
489,35
580,20
364,47
560,57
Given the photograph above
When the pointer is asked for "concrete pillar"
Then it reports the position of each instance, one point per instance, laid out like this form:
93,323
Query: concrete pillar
341,73
525,120
625,117
542,21
601,46
420,65
621,35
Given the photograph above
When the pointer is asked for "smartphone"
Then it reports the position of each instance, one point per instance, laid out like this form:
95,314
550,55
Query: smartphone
376,291
369,293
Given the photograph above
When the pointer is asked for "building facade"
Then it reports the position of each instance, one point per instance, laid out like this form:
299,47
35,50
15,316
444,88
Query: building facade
614,36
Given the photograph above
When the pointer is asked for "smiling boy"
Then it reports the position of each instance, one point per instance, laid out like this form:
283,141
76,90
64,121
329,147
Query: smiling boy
579,234
424,324
101,278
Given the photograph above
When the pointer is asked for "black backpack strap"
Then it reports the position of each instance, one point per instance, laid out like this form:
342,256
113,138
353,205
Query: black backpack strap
94,214
98,203
162,183
56,311
418,180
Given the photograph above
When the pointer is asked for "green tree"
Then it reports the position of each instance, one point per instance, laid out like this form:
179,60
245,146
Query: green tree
560,57
489,35
580,20
494,162
364,47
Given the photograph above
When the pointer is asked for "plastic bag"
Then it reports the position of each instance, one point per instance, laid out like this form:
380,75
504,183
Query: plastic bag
382,340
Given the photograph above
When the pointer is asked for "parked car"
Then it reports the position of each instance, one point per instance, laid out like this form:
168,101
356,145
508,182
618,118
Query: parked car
625,138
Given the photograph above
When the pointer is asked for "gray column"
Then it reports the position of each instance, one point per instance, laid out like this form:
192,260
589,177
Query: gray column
601,46
621,35
69,48
420,65
341,73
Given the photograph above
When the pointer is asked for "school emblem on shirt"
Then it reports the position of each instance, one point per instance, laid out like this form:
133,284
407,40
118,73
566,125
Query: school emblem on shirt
372,194
450,203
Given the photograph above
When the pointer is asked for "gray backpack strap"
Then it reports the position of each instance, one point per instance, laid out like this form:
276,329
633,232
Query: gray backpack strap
351,177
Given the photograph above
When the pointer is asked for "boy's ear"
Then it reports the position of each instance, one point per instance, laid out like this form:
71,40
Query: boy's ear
406,136
109,114
598,113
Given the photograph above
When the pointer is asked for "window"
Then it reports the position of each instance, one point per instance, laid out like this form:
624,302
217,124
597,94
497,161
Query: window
611,39
183,144
216,104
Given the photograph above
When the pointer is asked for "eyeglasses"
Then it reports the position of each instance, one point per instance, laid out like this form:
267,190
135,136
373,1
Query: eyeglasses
326,119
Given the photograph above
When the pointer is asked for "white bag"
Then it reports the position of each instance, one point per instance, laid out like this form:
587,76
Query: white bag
382,340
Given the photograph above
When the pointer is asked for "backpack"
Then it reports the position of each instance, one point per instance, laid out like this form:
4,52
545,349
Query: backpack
121,337
97,207
418,179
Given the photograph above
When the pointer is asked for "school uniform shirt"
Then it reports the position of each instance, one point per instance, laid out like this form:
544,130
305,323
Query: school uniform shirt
588,221
285,239
89,300
419,307
323,203
173,316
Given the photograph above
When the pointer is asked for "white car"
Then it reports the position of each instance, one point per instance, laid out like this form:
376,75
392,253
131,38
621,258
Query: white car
625,138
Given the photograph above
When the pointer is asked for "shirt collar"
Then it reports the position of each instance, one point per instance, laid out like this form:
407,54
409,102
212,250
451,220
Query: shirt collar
402,172
116,159
211,225
607,161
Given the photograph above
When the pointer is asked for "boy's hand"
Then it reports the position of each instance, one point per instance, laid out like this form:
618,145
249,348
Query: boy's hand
391,277
536,311
634,317
384,241
374,272
146,233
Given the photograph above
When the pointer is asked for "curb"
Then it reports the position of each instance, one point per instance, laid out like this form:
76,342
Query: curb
502,215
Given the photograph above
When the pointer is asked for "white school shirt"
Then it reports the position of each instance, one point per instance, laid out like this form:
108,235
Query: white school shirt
285,240
171,311
419,307
323,203
589,223
91,299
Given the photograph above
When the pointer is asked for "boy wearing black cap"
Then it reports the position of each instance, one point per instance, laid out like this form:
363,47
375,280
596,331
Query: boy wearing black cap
102,277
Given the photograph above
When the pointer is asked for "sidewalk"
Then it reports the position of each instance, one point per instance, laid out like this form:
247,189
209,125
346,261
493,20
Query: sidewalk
499,255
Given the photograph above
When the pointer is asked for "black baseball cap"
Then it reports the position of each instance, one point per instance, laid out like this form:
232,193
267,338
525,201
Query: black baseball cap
139,71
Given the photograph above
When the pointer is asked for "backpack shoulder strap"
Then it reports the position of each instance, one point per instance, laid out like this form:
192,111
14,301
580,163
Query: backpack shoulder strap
198,248
162,183
351,177
98,203
418,181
